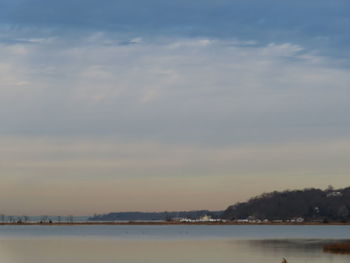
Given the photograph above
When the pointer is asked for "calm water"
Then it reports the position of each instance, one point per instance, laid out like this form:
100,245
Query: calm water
169,244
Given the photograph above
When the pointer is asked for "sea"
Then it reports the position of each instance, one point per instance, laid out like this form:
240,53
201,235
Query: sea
170,243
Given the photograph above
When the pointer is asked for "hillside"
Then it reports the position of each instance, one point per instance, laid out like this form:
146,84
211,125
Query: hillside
311,204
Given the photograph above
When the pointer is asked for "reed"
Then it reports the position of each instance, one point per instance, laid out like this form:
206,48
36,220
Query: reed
341,248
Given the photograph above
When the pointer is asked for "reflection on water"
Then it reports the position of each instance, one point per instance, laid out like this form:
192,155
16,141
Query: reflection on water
99,251
162,232
296,250
93,249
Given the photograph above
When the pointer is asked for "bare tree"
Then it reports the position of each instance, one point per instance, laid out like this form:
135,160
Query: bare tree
44,219
25,219
70,219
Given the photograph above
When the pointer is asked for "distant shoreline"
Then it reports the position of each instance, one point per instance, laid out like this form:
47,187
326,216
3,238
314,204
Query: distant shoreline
175,223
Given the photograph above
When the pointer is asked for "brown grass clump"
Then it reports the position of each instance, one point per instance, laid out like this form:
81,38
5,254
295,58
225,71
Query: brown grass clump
340,248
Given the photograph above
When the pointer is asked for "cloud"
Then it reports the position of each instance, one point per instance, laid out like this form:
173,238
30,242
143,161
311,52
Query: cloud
201,90
313,24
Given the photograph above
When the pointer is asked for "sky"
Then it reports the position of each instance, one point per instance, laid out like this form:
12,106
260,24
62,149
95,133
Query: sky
170,105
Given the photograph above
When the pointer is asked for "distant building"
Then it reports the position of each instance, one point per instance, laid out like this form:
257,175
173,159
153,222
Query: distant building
242,221
184,220
299,220
334,194
205,218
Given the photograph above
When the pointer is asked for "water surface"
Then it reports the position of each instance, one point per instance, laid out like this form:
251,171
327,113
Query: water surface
169,244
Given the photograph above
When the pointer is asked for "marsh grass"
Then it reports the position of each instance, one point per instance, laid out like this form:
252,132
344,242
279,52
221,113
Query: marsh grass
339,248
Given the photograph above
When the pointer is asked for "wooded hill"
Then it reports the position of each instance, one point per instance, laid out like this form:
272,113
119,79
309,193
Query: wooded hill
328,205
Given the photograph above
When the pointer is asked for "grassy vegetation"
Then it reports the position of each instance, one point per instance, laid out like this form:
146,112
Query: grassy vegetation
341,248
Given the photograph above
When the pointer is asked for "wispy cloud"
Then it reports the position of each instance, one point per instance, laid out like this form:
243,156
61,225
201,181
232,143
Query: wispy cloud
204,90
317,24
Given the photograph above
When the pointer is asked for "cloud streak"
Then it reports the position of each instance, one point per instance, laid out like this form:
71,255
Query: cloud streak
314,24
203,90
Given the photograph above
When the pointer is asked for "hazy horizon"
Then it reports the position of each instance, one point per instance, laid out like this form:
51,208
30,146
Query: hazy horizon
170,105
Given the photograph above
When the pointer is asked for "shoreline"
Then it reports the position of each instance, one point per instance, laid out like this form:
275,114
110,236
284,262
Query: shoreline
174,223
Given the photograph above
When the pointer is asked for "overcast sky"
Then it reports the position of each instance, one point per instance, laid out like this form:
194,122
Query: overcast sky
170,105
